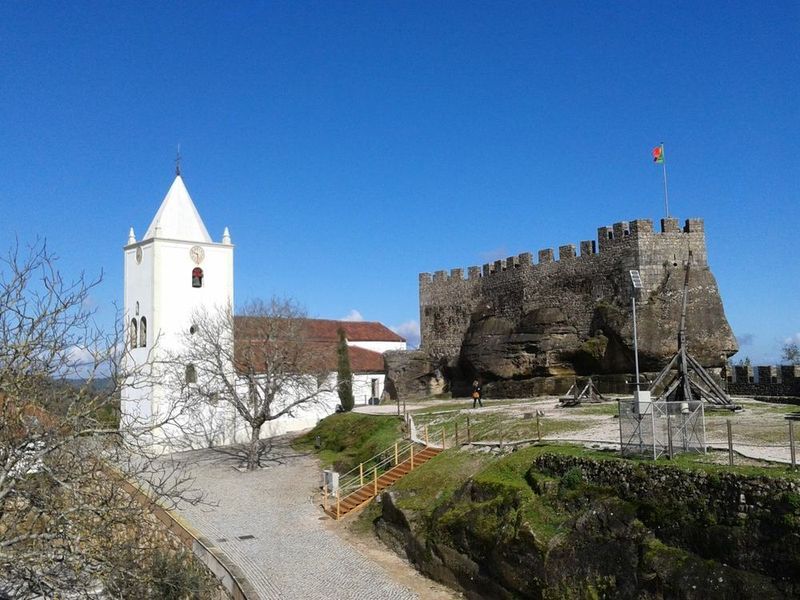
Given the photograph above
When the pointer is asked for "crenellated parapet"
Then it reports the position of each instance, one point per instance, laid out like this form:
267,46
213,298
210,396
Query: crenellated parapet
630,236
764,380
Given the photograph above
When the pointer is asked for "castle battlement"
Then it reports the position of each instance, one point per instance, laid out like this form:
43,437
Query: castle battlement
610,238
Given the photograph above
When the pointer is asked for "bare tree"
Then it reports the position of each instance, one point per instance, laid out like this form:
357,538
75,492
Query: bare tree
260,365
791,353
65,522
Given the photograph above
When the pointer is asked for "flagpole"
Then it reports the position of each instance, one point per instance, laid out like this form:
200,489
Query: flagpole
664,165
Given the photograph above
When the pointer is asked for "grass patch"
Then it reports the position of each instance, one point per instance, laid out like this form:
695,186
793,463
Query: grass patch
506,475
776,409
434,482
526,428
347,439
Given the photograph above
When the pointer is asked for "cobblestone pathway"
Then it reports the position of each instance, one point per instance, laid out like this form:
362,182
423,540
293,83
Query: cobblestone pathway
291,554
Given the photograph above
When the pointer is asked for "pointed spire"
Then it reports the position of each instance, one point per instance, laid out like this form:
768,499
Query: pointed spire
226,236
177,218
131,237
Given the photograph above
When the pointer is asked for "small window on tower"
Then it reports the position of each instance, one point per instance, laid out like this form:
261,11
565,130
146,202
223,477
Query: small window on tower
133,334
191,374
197,277
143,333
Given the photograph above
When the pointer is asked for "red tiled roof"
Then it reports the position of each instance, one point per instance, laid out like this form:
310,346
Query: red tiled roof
328,330
355,331
365,361
313,344
317,357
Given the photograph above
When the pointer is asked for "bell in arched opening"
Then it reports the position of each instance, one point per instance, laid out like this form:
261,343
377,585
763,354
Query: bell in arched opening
197,277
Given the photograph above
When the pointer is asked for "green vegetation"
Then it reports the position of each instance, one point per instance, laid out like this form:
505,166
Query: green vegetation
532,511
425,488
108,415
549,513
438,405
768,407
344,374
715,462
577,528
347,439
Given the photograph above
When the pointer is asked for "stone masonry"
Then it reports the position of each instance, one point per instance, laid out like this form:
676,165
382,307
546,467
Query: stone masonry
518,319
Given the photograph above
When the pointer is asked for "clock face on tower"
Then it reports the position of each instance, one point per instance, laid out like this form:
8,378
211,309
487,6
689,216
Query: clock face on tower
197,254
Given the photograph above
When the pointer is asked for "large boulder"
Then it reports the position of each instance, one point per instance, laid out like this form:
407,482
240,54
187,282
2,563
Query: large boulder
412,374
596,336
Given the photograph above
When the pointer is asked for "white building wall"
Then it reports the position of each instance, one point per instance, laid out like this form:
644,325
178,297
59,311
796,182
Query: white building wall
304,417
161,284
362,386
378,346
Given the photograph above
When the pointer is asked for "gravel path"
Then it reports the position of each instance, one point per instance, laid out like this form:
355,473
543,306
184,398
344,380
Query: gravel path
291,553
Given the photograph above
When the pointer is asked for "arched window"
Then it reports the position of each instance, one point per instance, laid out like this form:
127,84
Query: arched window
133,334
197,277
143,333
191,374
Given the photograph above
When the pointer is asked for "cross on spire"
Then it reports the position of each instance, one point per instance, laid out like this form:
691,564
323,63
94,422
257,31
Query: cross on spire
178,161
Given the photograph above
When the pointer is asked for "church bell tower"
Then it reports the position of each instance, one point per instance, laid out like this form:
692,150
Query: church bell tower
175,270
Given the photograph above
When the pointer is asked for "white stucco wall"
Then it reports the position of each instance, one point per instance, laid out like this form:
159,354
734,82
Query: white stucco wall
378,346
161,284
362,386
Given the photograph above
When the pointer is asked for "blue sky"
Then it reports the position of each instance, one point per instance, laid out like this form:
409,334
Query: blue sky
350,146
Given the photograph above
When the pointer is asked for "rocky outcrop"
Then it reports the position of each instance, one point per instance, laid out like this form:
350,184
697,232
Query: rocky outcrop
628,532
411,374
550,341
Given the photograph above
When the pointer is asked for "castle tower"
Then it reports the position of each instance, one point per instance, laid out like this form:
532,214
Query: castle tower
173,271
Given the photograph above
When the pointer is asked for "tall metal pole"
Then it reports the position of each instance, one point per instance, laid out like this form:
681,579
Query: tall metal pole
664,166
635,341
636,282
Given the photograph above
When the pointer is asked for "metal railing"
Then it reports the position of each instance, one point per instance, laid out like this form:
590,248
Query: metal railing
367,474
454,428
671,431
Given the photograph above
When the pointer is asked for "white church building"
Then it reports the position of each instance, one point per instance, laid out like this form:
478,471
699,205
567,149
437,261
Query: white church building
175,270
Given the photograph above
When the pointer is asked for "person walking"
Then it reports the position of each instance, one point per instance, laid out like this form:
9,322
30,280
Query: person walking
476,394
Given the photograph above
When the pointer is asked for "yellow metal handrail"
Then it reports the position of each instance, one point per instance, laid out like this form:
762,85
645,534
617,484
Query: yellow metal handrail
353,480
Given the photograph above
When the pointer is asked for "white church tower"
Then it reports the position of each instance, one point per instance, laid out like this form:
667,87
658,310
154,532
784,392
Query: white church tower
173,271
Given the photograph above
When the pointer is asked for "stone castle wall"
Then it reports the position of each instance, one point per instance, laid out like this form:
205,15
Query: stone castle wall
771,380
508,286
552,305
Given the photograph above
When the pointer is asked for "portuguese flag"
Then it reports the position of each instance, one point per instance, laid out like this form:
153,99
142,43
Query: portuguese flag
658,154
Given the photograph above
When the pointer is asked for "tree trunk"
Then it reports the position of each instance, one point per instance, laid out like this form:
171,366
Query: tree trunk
252,451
